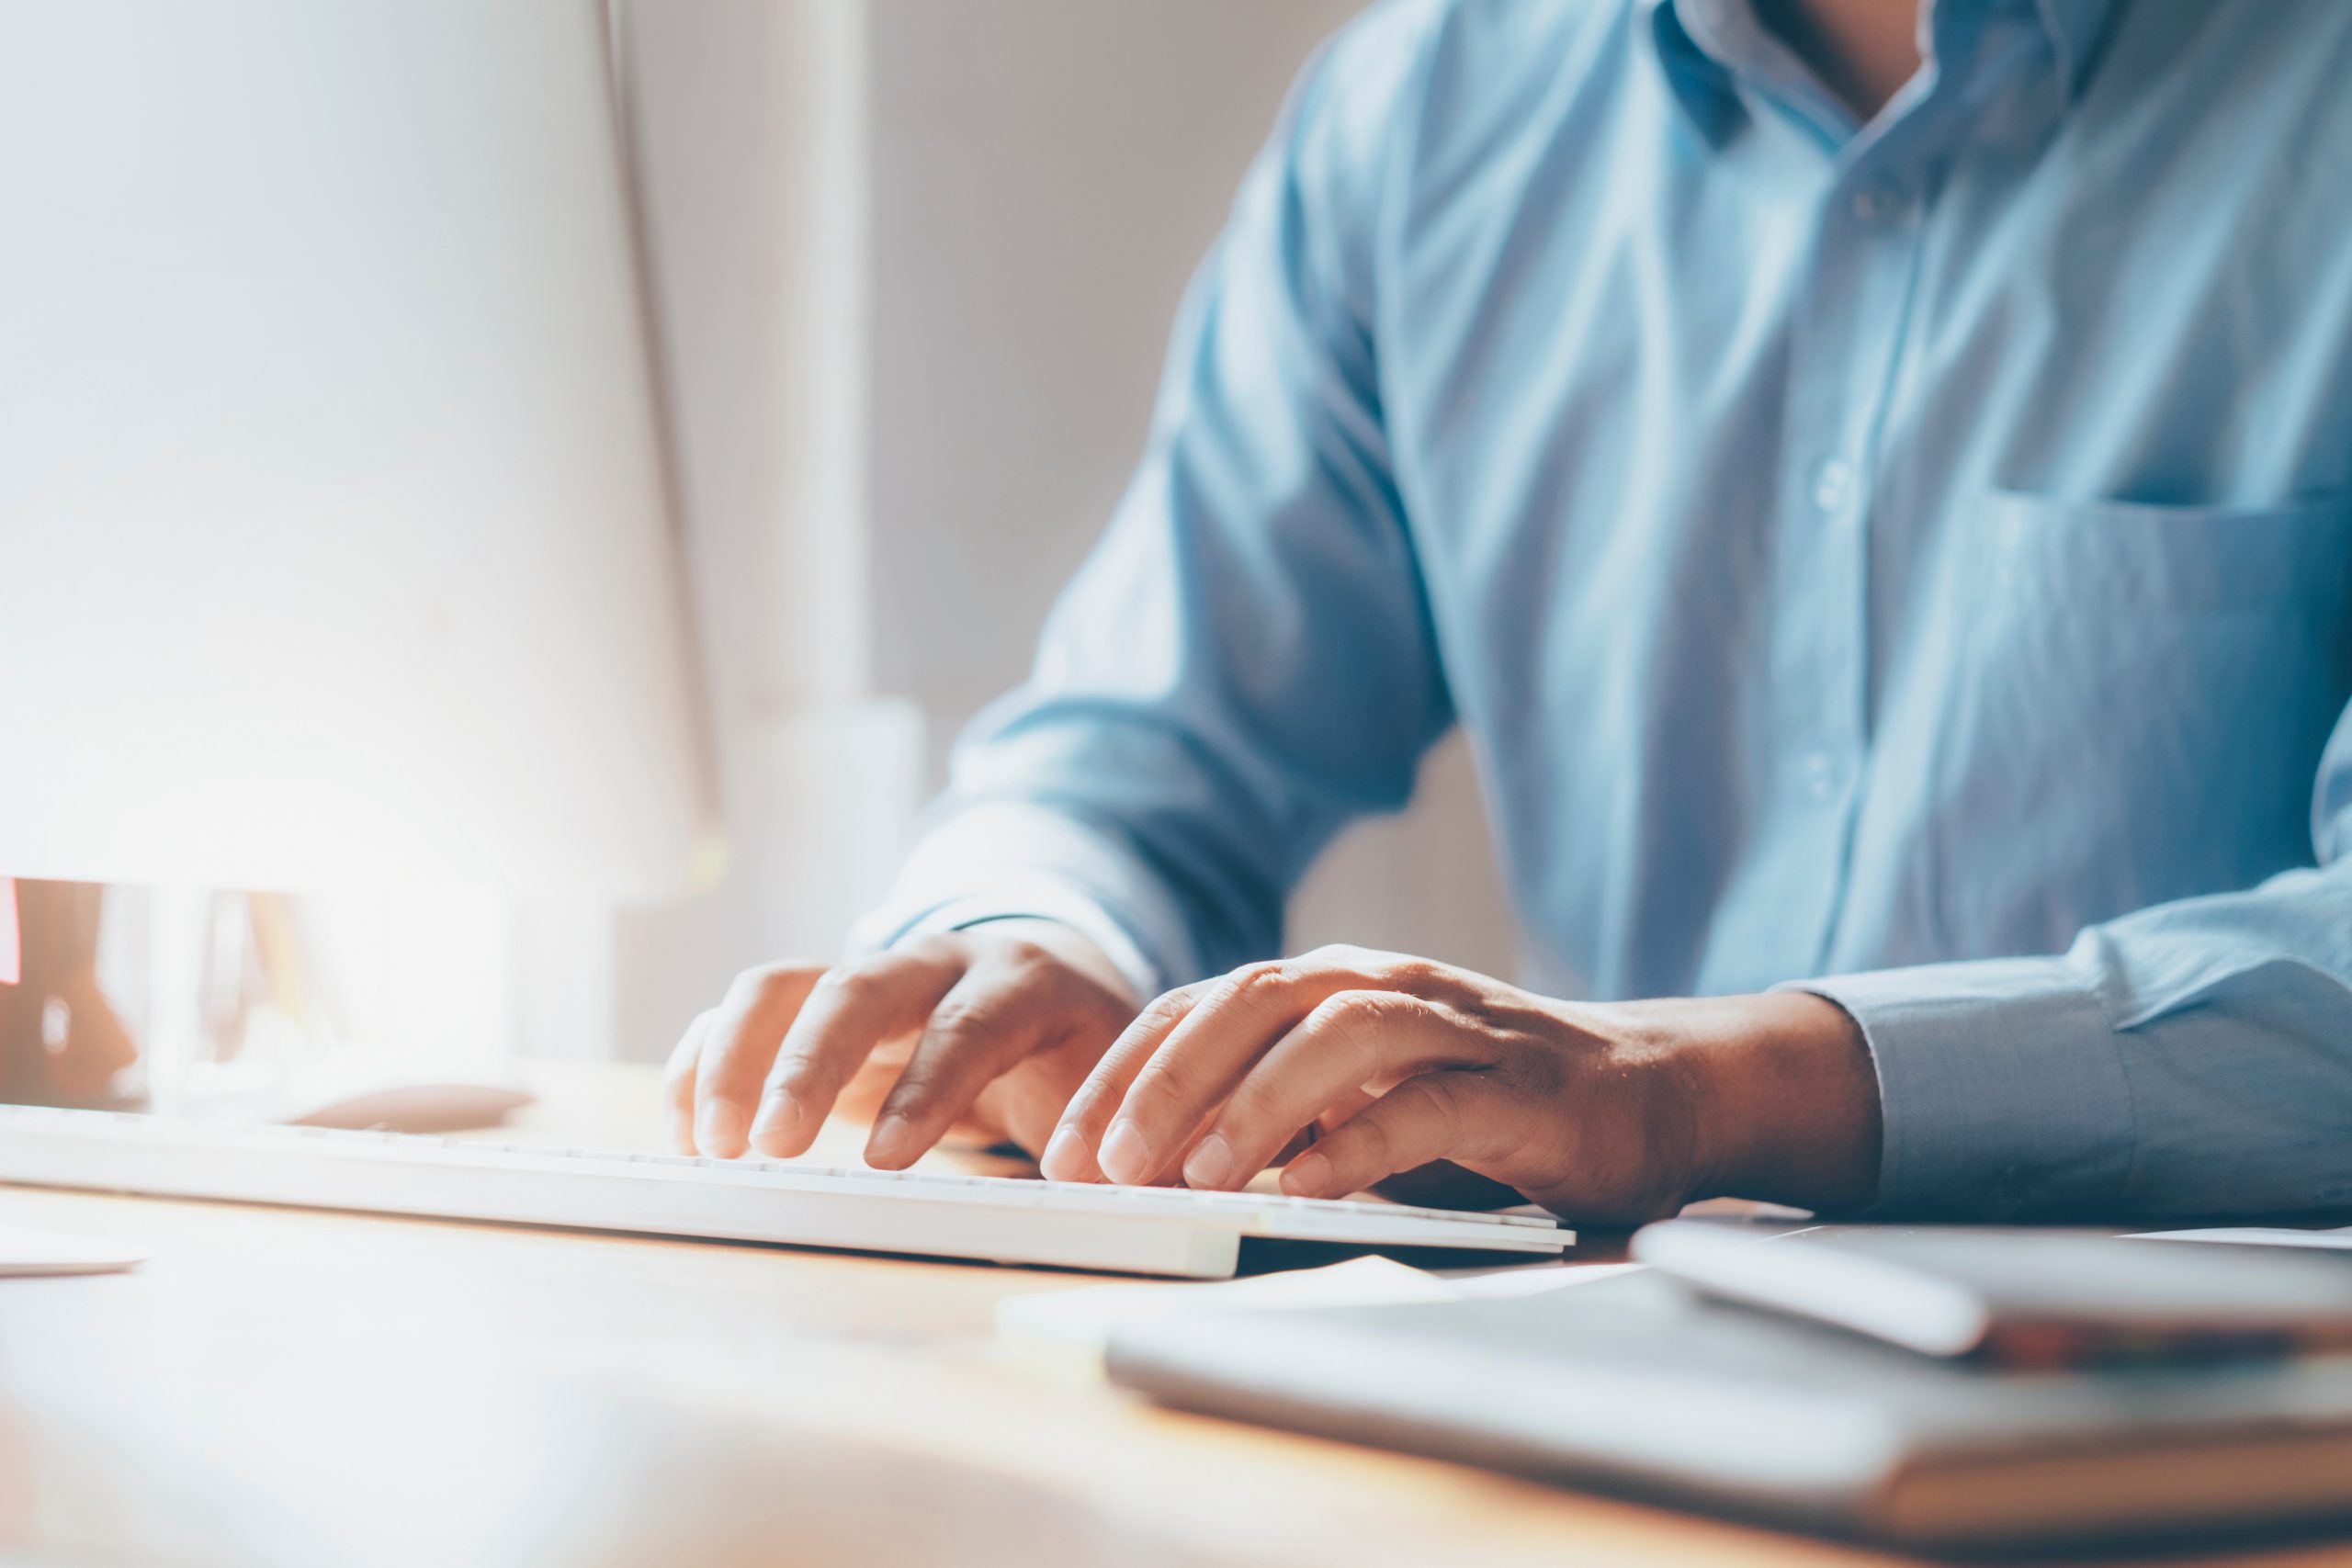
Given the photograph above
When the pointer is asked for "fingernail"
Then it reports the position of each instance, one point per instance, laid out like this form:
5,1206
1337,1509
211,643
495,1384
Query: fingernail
779,1115
1211,1164
1306,1176
719,1129
1065,1157
886,1145
1125,1156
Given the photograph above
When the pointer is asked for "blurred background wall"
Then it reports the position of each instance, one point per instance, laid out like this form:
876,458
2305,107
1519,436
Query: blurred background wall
914,264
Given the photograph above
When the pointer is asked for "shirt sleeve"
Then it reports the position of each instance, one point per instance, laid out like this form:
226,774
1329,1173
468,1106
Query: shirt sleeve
1246,662
2192,1059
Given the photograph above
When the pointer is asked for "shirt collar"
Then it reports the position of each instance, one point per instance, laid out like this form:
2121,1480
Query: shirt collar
1701,74
2075,27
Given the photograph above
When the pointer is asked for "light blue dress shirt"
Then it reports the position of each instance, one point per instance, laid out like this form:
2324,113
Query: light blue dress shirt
1906,558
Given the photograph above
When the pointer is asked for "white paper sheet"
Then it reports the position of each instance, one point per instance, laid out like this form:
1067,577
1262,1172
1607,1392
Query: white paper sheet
45,1252
1083,1319
2258,1235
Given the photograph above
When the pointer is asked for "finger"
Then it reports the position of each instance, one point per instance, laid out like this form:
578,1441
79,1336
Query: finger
1441,1115
1207,1054
1339,1110
1350,1040
678,1082
1002,1010
1347,1104
736,1048
849,1011
1070,1153
1027,1104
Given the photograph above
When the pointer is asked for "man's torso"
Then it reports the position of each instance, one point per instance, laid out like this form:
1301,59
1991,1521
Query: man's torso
1847,549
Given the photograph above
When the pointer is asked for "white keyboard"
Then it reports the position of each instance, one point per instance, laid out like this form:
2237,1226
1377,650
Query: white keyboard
1134,1230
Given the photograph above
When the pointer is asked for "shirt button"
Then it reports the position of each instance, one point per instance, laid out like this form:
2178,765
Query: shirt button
1821,777
1833,484
1876,205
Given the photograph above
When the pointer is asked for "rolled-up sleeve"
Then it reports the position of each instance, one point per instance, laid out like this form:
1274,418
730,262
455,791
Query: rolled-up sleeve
1246,662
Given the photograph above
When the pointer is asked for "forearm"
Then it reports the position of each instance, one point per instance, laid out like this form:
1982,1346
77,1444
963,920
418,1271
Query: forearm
1787,1099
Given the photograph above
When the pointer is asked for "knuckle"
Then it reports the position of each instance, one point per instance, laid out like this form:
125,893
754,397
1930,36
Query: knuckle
1166,1009
1251,980
772,979
964,1020
1034,973
939,947
1018,950
1407,972
850,985
1337,1019
764,983
1258,1111
803,1074
915,1087
1357,1018
1167,1080
793,1075
1094,1102
1349,1009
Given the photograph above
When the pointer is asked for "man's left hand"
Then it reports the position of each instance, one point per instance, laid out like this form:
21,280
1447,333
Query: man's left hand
1607,1113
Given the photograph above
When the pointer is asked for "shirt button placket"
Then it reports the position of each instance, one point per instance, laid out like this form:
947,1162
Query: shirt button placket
1860,301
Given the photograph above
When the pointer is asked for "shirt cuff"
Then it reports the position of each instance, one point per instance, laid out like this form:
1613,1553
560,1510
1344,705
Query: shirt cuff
2002,1088
1006,860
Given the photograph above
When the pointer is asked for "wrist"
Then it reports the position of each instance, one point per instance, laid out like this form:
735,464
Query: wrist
1786,1102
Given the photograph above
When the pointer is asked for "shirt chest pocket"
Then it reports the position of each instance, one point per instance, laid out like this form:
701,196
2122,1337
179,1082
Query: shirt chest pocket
2036,551
2135,701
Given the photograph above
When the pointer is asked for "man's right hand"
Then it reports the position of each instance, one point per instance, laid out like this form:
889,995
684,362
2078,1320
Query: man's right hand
985,1031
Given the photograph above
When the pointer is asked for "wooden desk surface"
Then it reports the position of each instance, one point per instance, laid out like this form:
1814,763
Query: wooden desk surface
284,1387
